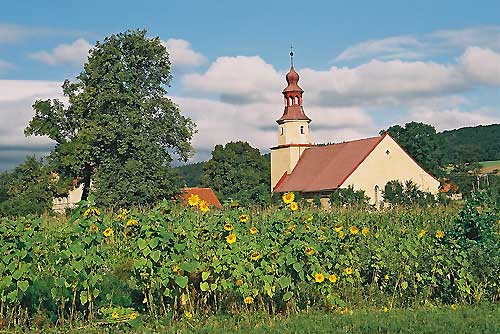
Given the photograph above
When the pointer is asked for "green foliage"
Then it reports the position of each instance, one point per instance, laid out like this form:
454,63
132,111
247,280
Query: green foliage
480,143
239,172
422,142
118,124
191,173
29,188
349,197
408,194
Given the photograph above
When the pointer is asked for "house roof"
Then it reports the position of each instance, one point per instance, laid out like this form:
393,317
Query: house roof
327,167
205,194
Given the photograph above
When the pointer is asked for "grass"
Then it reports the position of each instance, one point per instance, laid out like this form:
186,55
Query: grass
490,163
476,319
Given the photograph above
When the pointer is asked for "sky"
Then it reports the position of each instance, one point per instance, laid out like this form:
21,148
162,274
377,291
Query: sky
364,65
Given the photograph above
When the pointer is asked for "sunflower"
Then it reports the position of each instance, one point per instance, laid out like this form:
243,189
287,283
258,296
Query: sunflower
386,277
255,256
203,206
253,230
94,228
228,227
290,229
92,211
133,315
231,239
108,232
294,206
194,200
132,222
175,268
385,309
348,271
319,278
309,250
188,314
354,230
288,198
307,227
243,218
122,215
248,300
338,228
114,315
439,234
332,278
239,282
365,231
341,234
422,233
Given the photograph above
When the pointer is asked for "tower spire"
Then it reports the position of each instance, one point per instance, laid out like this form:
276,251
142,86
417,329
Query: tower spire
291,55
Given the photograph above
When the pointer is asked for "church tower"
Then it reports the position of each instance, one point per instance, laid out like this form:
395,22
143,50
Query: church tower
293,130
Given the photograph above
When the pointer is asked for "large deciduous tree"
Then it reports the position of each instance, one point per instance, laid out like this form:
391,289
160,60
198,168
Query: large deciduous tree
118,129
422,142
239,172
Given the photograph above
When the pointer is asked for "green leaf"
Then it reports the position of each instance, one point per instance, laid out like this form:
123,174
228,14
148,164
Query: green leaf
189,266
23,285
84,298
141,243
205,275
204,286
284,282
155,255
297,266
181,281
404,285
17,274
287,296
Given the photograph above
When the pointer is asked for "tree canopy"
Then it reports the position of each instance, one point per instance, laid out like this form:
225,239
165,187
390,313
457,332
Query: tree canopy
118,129
422,143
239,172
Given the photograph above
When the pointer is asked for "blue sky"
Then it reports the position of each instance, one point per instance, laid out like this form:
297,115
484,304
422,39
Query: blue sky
364,65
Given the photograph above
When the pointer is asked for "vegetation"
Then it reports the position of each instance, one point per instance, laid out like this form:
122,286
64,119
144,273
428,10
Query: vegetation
29,188
408,193
349,197
238,172
191,173
119,128
172,262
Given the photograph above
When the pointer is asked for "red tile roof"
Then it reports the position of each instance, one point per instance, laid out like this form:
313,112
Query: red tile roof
205,194
327,167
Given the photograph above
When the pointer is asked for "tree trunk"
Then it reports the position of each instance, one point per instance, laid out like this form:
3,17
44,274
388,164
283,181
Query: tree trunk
87,174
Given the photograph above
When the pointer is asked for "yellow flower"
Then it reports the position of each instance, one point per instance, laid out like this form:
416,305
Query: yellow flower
454,307
354,230
386,277
114,315
108,232
94,228
348,271
439,234
332,278
319,278
123,214
307,227
194,200
341,234
338,228
234,204
253,230
243,218
188,314
309,218
132,222
255,256
231,239
309,250
290,229
365,231
386,309
133,315
294,206
421,233
175,268
288,198
203,205
239,282
92,211
228,227
248,300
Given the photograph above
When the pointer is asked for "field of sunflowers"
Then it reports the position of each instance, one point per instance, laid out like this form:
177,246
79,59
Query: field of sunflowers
188,263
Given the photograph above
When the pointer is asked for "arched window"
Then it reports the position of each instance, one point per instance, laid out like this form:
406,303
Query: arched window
377,189
281,130
302,129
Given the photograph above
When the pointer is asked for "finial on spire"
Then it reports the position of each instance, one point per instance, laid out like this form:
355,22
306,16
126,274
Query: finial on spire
291,55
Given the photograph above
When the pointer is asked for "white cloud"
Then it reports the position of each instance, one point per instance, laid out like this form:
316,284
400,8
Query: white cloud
10,33
391,47
74,53
452,118
482,65
483,36
182,54
5,66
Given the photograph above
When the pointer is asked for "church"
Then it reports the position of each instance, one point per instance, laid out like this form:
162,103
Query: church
366,164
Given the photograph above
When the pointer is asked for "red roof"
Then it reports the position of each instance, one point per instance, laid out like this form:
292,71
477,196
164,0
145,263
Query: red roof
327,167
205,194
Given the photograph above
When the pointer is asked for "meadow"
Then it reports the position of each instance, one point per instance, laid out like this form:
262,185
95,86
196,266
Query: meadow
204,270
